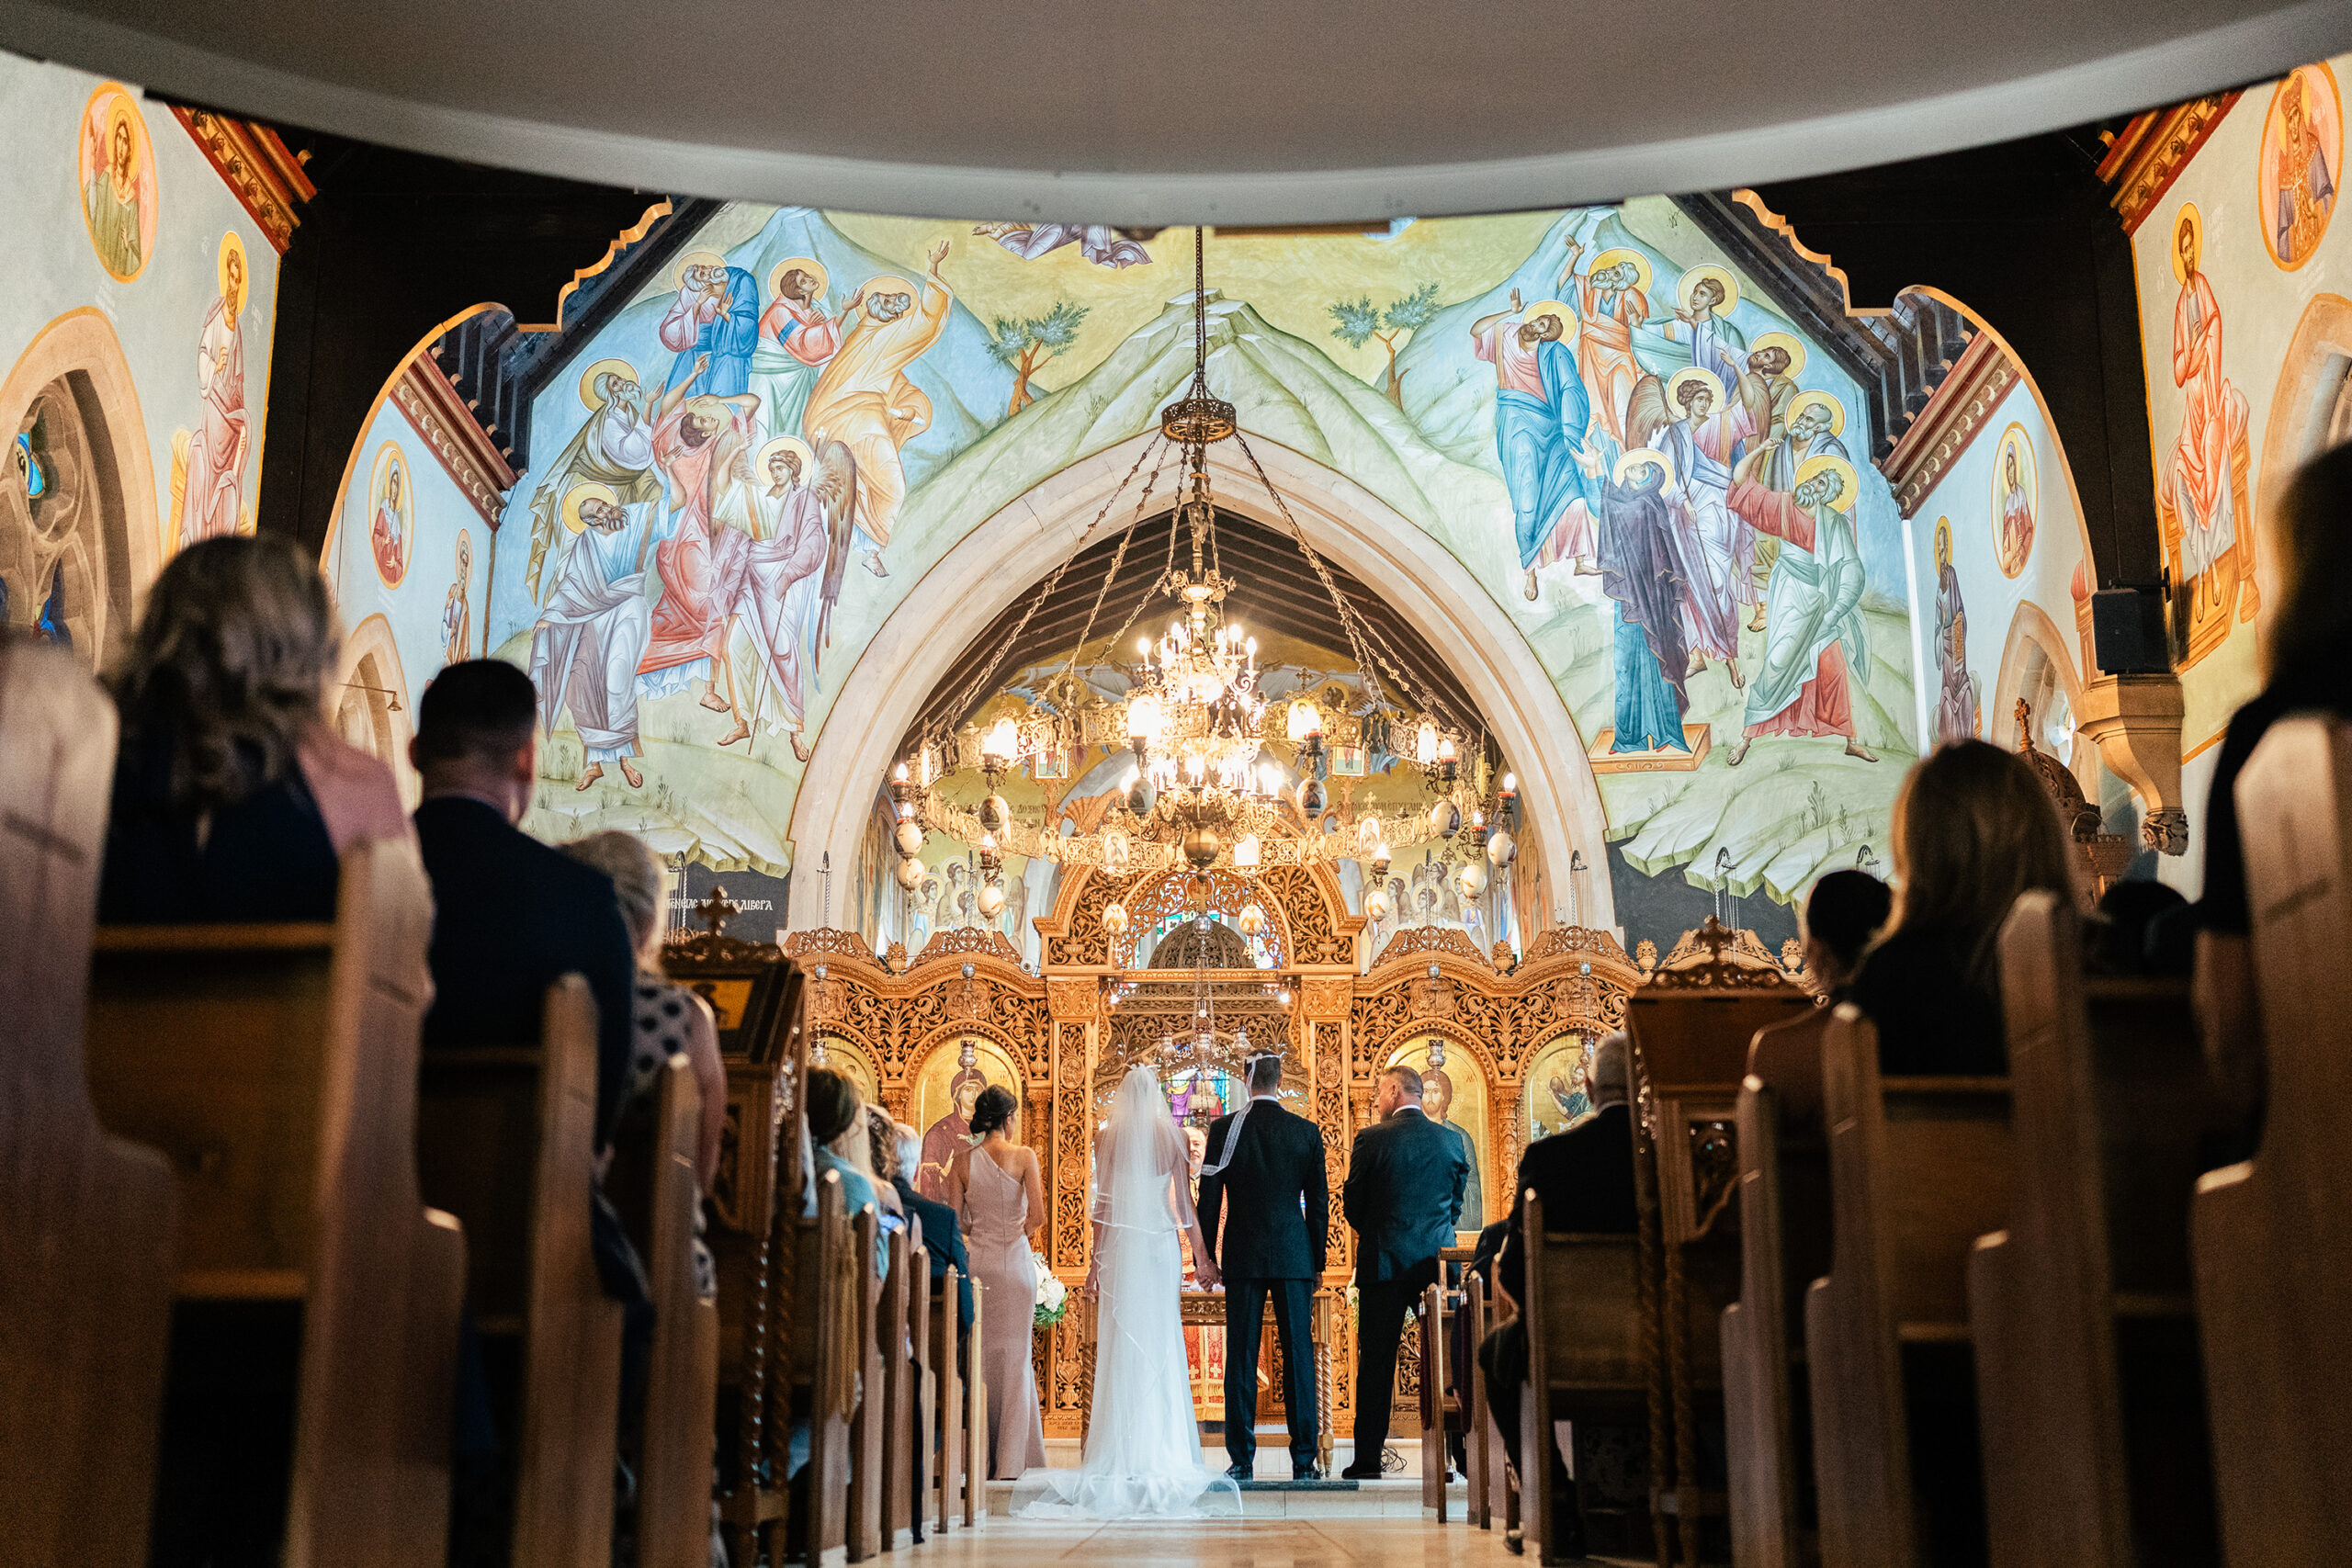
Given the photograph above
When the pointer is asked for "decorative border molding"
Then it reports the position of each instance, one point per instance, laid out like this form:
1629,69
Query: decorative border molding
628,237
1960,407
2149,153
466,450
257,165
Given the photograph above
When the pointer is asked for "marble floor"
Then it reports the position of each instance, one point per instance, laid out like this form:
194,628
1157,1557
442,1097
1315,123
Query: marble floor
1269,1542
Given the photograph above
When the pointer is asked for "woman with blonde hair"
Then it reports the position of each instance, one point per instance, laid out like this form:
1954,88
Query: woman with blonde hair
233,800
1972,829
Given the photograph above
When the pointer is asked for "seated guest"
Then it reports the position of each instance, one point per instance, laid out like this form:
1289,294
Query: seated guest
837,1127
511,916
1972,829
2122,935
941,1235
668,1020
2303,658
232,801
1585,1177
1842,913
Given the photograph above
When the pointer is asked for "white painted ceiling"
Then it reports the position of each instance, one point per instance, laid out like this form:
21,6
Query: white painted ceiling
1155,111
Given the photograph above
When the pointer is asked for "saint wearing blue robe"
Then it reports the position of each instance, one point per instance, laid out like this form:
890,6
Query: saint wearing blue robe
729,335
1537,434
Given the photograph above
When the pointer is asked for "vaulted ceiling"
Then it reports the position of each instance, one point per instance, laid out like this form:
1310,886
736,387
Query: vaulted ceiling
1276,592
1229,111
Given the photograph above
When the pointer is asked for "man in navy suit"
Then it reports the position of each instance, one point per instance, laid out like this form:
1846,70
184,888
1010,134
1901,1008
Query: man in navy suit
1404,1182
1263,1175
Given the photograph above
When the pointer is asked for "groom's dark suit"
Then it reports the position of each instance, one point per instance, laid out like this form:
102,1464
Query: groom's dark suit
1275,1210
1405,1180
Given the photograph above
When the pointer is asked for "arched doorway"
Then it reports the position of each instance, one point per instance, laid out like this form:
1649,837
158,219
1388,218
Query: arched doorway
77,511
957,599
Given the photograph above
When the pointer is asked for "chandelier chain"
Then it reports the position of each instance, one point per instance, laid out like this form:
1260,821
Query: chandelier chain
971,694
1118,558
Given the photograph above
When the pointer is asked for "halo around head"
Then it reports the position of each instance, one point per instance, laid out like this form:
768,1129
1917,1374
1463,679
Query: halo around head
1805,400
589,396
1829,462
2196,222
1637,457
1722,274
1706,378
1641,264
889,283
1787,344
808,264
1569,324
1943,542
792,444
693,259
231,246
591,491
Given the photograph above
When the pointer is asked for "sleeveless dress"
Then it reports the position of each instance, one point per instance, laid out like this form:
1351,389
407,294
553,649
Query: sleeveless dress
996,1218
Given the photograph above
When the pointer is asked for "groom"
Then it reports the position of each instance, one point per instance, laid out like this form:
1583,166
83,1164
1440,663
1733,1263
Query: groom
1405,1180
1266,1165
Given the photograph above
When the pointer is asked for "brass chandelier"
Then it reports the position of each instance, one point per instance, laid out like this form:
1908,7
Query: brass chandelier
1200,790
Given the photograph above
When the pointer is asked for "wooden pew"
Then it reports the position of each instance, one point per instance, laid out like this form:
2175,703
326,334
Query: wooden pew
893,1322
1589,1348
976,1417
89,1222
1477,1443
922,1394
2271,1237
504,1140
2080,1310
653,1184
1784,1246
1920,1168
274,1067
866,1475
819,1348
1691,1027
1441,1407
948,1410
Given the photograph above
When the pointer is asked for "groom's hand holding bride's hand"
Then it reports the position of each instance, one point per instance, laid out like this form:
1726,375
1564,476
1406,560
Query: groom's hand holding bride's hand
1206,1270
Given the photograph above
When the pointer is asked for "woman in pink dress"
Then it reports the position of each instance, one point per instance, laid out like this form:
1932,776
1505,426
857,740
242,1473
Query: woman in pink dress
998,1193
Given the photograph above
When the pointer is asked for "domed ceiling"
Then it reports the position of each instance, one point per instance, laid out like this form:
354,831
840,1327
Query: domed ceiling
1230,111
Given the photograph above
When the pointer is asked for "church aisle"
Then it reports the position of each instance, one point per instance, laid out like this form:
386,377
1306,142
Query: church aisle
1222,1544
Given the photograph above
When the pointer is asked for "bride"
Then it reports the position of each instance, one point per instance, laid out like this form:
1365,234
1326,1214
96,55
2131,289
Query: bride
1143,1449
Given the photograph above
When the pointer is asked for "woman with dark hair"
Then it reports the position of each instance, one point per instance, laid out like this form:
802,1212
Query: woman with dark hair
999,1193
837,1127
1973,829
232,801
1842,914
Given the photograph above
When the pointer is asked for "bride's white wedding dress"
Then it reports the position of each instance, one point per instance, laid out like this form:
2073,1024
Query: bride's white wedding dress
1143,1449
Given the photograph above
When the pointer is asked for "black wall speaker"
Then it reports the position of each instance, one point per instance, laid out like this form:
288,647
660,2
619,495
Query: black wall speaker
2128,631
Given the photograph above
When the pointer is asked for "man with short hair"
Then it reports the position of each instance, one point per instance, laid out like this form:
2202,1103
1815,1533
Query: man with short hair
1585,1177
1264,1174
1406,1176
511,915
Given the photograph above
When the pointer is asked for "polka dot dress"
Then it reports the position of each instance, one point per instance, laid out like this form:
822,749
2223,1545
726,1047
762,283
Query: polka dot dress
661,1033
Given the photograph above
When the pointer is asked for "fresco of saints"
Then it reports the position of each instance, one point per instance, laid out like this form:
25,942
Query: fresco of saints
775,592
388,529
795,340
1956,692
1612,296
1640,573
1774,362
2014,508
1098,243
949,1133
1438,1086
716,314
864,399
1689,420
695,442
2303,188
216,458
1814,605
1541,413
456,616
116,195
2198,479
585,649
614,448
1707,296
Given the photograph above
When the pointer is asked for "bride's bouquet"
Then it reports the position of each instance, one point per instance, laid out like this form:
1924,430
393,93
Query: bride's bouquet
1053,1296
